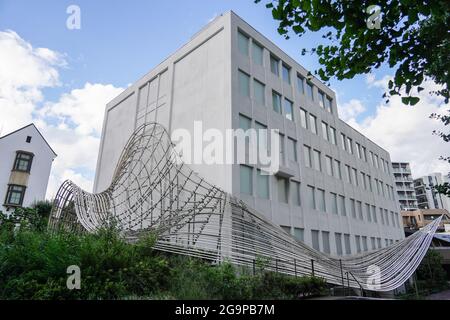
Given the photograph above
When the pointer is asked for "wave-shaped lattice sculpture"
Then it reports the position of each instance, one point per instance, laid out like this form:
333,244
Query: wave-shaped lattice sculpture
153,191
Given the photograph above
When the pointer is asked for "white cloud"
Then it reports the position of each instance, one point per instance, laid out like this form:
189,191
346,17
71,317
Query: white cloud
350,110
71,125
406,131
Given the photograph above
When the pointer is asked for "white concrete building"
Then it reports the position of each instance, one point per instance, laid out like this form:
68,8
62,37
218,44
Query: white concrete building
334,190
25,163
427,197
404,185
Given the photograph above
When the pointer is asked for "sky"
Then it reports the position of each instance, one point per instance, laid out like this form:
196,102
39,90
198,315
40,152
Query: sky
61,78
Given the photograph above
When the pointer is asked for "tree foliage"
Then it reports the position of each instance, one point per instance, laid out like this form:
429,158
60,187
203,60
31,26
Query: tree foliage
413,38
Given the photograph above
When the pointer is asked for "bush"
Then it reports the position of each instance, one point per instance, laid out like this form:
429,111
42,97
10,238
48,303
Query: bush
431,276
33,264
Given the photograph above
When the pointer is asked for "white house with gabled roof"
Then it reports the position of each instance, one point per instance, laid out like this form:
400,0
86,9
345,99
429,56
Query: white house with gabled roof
25,163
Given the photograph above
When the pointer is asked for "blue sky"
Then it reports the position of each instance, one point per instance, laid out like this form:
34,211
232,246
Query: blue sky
116,43
79,71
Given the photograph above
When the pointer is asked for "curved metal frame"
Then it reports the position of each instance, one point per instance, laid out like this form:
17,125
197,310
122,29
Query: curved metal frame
152,190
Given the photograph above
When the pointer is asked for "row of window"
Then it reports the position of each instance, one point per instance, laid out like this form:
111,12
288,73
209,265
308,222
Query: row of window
342,241
309,121
257,54
313,159
288,191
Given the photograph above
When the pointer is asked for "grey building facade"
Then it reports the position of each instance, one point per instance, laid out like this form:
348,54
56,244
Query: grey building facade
334,189
427,197
404,185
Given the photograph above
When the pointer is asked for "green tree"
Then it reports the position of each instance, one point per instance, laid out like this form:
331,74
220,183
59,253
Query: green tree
413,38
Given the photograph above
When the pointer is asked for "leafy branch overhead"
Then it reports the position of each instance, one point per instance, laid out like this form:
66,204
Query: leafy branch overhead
413,39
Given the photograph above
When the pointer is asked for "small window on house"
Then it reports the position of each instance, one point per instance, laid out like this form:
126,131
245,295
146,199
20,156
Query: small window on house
274,65
313,123
23,161
292,149
283,189
15,195
321,99
28,139
328,105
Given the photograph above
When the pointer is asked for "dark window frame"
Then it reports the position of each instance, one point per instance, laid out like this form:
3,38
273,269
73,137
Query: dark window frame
9,193
18,159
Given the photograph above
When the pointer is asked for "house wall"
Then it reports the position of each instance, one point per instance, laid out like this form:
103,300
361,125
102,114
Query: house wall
37,180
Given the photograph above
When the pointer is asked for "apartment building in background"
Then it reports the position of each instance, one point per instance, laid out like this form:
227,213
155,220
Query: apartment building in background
25,163
404,186
427,197
334,189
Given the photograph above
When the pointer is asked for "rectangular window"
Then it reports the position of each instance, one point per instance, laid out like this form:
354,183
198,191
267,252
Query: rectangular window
296,199
325,131
359,209
328,105
276,102
349,145
338,240
343,142
292,149
23,161
355,176
300,84
259,92
337,169
261,137
245,123
379,243
358,150
353,207
309,90
321,99
372,242
286,73
316,159
315,239
342,209
364,153
15,195
311,196
348,174
313,123
283,189
257,54
363,180
386,214
282,150
334,203
358,244
288,109
286,229
246,179
381,215
321,200
299,234
262,184
374,214
274,65
332,135
347,244
369,182
364,243
326,241
243,42
307,156
244,84
329,165
368,214
303,118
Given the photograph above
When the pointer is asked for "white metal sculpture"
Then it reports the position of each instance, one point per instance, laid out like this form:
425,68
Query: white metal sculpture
153,191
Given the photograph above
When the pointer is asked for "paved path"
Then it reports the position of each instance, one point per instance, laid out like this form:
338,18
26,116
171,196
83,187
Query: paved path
444,295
